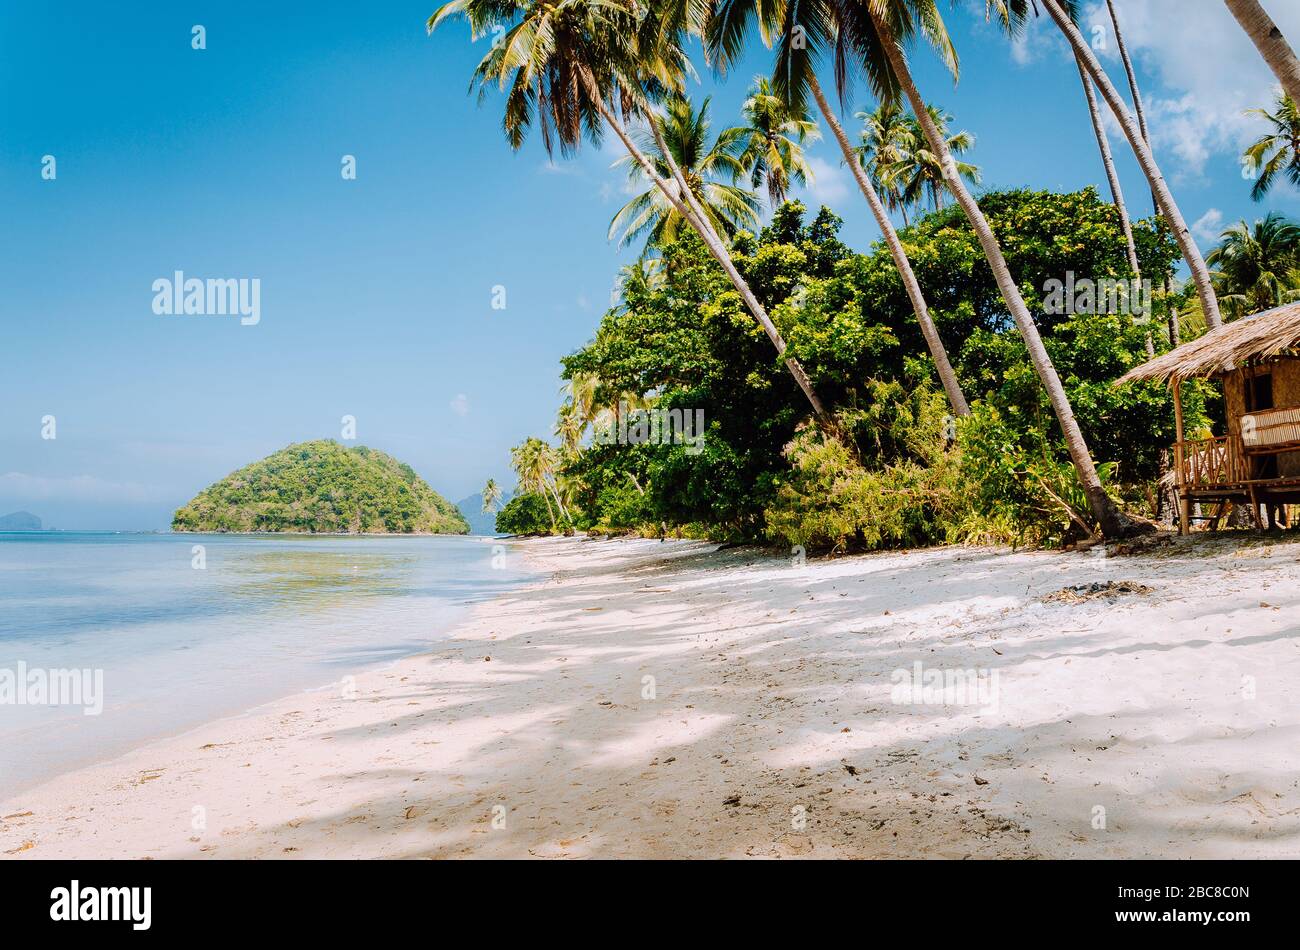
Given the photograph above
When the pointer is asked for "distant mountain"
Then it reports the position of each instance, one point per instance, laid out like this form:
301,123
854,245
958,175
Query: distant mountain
20,521
480,522
322,487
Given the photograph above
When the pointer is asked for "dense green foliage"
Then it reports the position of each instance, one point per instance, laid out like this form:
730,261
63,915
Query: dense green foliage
524,514
322,487
907,474
905,489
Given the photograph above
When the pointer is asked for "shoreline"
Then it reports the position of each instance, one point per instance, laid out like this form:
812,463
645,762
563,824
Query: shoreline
261,534
767,728
324,534
235,699
183,733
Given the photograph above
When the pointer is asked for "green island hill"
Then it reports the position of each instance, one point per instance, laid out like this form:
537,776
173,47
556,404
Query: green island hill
322,487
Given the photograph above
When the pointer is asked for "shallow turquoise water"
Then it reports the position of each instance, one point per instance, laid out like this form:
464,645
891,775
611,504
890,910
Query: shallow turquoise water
177,646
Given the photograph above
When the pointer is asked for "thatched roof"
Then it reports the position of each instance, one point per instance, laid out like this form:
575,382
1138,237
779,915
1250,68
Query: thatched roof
1220,351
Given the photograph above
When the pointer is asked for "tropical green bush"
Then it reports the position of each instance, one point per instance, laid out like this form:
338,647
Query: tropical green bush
524,514
902,489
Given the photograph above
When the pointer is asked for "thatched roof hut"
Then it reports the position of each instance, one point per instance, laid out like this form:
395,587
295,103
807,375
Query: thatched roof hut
1257,461
1271,333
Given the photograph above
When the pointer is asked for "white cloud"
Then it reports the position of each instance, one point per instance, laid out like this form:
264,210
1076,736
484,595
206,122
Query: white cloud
1039,36
1026,47
1207,70
19,486
460,405
830,184
1022,54
552,167
1208,226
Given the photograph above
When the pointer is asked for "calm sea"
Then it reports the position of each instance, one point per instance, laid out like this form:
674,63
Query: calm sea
179,645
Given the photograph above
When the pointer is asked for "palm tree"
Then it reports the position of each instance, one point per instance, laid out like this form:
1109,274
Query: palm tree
885,137
1132,84
491,496
1108,162
809,30
921,171
590,401
774,137
895,153
1270,42
548,465
903,16
580,392
1062,13
1277,152
524,459
710,167
643,276
573,67
535,463
569,428
1257,267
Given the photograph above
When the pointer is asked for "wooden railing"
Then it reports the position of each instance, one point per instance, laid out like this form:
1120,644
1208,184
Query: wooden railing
1270,428
1206,462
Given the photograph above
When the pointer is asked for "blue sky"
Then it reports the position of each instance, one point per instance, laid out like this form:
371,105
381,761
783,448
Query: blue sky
376,292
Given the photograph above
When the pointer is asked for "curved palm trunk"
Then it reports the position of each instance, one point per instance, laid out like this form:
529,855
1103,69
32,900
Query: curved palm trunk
949,378
1128,71
1132,84
711,240
1117,193
1270,42
1103,508
549,510
704,227
547,481
564,512
1108,160
1191,253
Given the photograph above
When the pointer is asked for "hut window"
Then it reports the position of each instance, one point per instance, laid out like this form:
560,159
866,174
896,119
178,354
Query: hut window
1259,392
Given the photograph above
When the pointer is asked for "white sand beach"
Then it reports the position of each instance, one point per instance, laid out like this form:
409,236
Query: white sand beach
1163,723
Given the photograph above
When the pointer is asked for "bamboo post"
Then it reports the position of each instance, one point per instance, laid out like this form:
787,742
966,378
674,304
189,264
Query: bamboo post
1180,478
